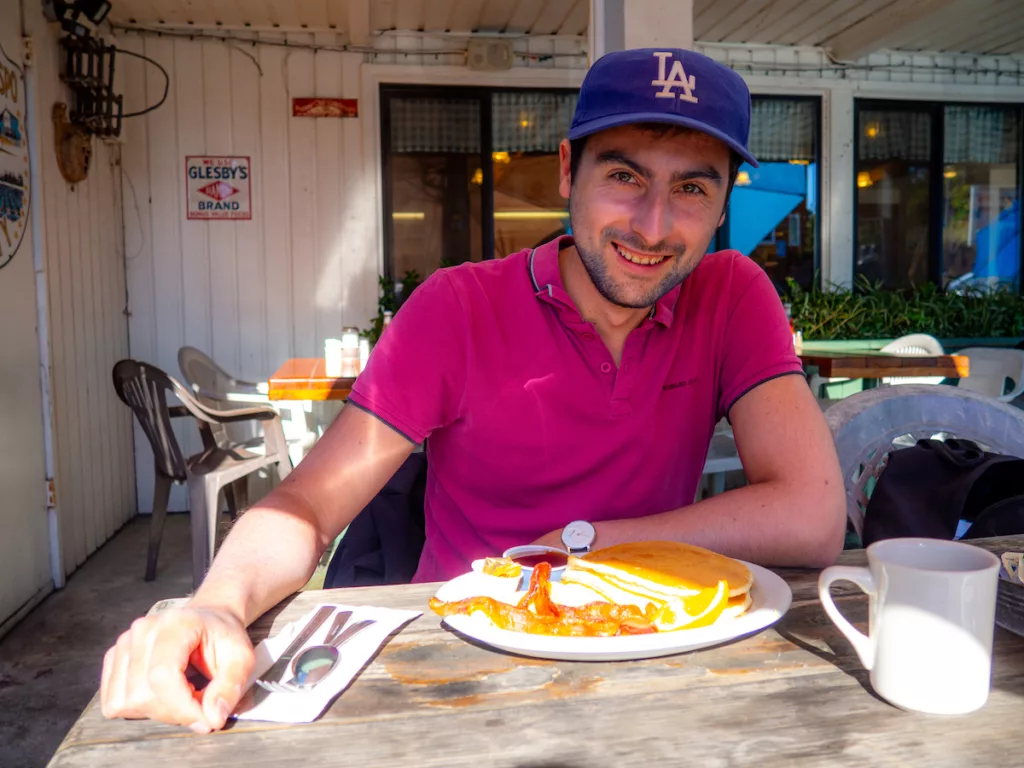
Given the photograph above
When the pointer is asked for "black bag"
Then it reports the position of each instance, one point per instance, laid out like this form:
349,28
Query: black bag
927,489
383,543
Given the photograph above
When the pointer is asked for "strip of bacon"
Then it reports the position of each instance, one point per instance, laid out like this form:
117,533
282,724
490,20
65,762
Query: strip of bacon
537,614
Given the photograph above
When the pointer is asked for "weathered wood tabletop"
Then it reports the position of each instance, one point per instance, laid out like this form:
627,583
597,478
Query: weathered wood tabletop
876,365
305,378
791,694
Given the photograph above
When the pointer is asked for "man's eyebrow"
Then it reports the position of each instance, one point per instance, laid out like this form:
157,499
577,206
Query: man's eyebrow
706,172
615,156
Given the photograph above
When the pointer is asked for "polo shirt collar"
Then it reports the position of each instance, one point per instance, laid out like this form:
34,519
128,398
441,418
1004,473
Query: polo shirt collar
547,281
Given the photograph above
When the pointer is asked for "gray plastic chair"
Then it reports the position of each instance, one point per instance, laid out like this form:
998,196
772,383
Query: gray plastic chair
870,425
144,389
217,388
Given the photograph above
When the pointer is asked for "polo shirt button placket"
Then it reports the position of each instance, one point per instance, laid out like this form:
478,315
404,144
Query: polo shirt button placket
606,367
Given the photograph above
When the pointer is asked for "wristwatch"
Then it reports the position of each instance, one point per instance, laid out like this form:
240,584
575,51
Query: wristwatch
578,537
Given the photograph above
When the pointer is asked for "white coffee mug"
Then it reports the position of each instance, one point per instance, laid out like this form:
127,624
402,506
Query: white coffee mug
931,619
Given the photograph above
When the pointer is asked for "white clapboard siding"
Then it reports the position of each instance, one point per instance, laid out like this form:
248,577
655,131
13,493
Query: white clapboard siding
254,293
83,240
249,293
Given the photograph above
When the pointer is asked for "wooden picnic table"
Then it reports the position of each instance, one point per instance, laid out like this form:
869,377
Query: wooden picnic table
305,378
793,694
870,364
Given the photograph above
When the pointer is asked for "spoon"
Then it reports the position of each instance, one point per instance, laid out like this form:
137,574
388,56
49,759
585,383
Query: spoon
316,662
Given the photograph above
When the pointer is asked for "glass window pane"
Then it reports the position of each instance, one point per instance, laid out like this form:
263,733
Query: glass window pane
433,170
526,130
893,176
980,200
773,209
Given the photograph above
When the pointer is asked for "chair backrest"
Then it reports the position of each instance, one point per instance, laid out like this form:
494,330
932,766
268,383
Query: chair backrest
144,388
908,346
990,369
869,425
915,344
206,380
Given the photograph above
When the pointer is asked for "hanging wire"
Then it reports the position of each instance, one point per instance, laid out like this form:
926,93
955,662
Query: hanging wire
167,83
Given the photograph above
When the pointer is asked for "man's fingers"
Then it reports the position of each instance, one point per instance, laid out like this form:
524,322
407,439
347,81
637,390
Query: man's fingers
137,693
114,703
168,659
108,667
232,663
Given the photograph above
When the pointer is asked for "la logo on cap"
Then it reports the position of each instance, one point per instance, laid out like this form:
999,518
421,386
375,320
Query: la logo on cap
676,79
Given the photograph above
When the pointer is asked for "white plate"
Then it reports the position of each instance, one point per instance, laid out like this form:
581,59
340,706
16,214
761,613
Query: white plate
771,599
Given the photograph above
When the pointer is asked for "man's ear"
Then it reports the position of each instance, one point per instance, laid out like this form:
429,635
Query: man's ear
721,220
564,168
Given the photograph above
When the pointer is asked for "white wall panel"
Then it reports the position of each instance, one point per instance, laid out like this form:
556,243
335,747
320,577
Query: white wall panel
250,293
84,260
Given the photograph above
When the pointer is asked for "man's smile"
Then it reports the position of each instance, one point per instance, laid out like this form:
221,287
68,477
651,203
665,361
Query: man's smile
641,259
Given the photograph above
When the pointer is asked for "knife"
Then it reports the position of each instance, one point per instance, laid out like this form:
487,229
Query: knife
275,673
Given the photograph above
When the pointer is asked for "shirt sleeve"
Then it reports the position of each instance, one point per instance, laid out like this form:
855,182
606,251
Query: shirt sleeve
415,377
758,343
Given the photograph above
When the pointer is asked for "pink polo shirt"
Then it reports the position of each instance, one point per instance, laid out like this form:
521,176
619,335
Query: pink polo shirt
531,424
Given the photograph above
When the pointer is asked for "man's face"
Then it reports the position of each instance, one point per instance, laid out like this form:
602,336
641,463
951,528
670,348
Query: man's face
644,207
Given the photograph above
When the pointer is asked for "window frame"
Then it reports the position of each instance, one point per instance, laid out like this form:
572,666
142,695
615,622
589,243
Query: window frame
936,167
721,239
483,94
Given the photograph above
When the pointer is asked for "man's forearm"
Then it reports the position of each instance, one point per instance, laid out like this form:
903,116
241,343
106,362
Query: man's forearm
270,553
273,549
768,523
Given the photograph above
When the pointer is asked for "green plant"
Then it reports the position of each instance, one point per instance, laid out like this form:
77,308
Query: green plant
388,301
869,311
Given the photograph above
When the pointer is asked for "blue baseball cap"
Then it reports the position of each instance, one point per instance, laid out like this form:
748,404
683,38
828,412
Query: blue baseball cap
665,85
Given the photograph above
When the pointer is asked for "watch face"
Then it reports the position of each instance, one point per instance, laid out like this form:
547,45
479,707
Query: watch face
578,535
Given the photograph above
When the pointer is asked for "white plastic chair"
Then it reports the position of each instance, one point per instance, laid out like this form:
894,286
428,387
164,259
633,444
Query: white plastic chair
998,373
219,389
909,346
722,457
144,389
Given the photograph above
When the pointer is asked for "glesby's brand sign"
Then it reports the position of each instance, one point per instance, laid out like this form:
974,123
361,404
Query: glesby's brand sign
218,187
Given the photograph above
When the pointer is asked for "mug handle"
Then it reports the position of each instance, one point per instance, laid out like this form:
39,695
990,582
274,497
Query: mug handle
862,578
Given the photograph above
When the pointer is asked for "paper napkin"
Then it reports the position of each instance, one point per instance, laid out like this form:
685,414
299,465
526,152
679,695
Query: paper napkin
306,706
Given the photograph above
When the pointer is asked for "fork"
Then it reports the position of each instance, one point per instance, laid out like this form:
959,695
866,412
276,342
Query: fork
332,646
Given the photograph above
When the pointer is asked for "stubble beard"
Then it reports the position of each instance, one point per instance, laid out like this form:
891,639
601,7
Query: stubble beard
615,292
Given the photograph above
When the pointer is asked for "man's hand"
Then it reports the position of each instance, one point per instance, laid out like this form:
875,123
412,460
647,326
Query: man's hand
144,673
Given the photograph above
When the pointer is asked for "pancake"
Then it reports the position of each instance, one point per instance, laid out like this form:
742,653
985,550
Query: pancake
655,571
737,606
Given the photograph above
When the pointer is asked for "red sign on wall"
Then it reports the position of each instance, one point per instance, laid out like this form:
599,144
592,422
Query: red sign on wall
325,108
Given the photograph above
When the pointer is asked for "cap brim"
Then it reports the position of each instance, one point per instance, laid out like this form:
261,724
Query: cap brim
615,121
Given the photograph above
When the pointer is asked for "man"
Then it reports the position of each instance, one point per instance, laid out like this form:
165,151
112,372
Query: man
581,380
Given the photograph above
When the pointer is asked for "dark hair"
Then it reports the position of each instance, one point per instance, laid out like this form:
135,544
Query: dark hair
577,146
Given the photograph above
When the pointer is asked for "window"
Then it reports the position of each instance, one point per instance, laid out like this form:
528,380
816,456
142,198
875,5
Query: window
432,153
937,194
980,197
773,210
470,173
